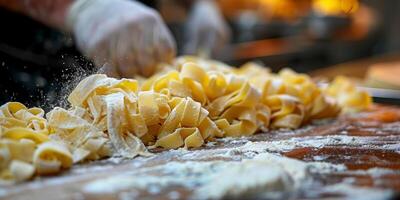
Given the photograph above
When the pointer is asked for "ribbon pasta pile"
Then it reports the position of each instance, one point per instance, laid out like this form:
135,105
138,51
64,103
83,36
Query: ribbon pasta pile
187,104
25,145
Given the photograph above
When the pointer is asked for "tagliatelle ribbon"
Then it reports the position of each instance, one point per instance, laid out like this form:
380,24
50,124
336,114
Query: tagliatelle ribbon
23,132
238,121
347,95
88,142
187,125
287,111
51,157
124,142
113,109
184,105
14,114
100,84
215,90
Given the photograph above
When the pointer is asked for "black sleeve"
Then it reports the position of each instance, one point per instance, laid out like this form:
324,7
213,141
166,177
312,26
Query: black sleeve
150,3
153,3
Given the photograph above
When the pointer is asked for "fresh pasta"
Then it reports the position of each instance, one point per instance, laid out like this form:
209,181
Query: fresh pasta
184,105
347,95
25,145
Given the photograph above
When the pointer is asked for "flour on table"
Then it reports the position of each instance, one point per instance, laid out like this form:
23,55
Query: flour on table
265,172
244,179
313,142
357,193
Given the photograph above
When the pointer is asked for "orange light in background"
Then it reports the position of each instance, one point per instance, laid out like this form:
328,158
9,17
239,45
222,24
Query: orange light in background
232,8
289,9
279,8
335,7
284,9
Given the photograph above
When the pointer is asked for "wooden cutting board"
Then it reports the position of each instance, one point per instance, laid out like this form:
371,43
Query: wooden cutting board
368,144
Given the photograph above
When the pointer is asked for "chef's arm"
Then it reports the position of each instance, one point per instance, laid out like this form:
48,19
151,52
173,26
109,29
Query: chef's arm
206,31
50,12
125,36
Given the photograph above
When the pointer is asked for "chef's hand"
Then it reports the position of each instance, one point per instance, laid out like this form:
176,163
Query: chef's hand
126,36
206,31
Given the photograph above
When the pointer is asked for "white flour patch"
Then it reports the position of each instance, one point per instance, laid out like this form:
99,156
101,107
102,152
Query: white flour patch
173,195
3,192
275,146
374,172
324,167
357,193
245,179
264,172
316,142
211,144
187,174
233,140
131,195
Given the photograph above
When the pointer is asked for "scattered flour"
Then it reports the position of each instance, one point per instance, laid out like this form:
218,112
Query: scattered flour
173,195
233,140
264,172
131,195
316,142
244,179
211,144
251,167
358,193
374,172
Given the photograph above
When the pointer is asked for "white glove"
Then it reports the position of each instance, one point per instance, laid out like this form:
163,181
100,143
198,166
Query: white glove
206,31
126,35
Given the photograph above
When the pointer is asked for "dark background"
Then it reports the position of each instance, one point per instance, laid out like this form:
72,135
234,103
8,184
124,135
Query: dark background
39,66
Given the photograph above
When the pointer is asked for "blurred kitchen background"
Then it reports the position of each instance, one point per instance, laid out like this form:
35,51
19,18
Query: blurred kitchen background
39,65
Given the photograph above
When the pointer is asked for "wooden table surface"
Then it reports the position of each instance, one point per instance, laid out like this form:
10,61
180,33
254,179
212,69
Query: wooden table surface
365,143
356,68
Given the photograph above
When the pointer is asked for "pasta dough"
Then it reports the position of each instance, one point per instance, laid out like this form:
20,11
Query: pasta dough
184,105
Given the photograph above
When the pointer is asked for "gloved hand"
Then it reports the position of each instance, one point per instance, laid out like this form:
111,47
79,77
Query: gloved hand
127,36
206,32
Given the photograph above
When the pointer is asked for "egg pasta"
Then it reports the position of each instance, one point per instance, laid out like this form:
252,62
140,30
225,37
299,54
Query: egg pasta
184,105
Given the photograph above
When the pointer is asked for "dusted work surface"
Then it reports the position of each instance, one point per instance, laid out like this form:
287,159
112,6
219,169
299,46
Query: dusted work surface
353,156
